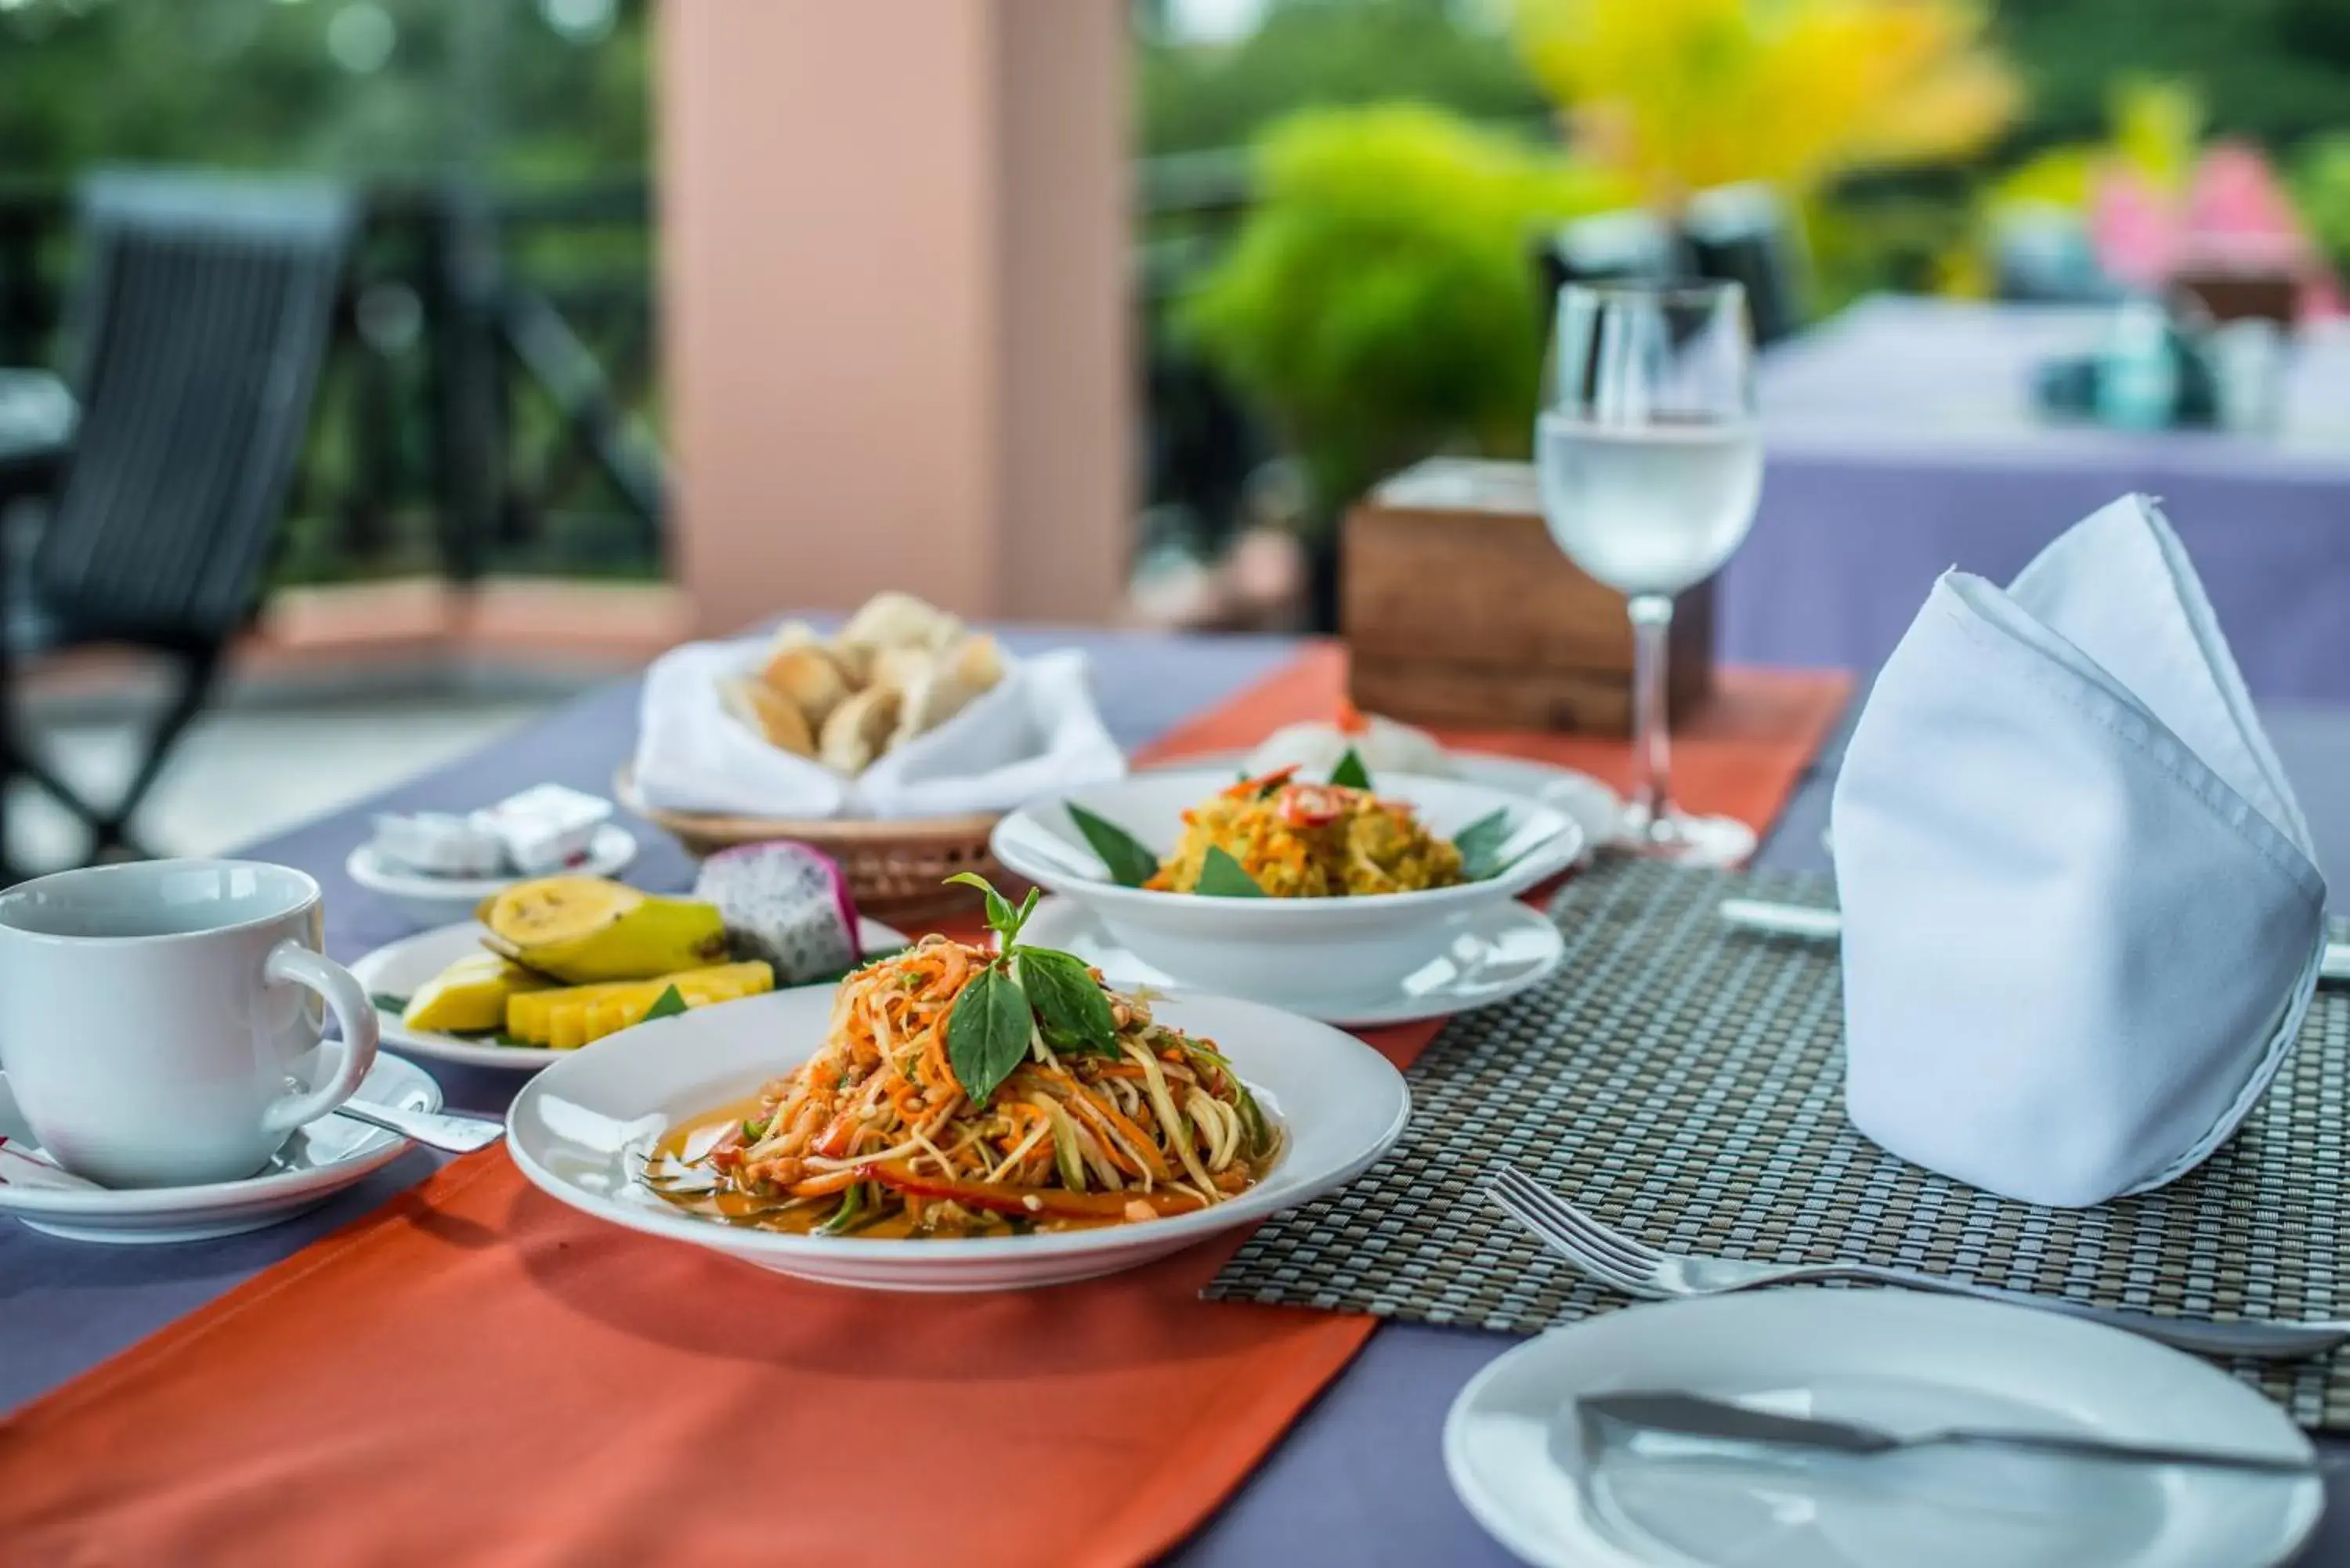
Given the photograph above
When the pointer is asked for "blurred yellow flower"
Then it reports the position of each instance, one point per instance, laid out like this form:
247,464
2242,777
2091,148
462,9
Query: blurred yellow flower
1680,95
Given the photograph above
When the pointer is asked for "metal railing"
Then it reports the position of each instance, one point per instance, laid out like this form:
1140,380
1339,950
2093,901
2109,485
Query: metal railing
488,401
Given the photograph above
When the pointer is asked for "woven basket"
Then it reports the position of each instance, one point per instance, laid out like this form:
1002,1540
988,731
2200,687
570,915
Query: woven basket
897,870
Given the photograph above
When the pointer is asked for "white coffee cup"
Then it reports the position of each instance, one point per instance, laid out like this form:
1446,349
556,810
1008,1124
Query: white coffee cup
152,1014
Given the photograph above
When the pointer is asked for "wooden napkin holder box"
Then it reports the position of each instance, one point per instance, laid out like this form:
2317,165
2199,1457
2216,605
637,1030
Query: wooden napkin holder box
1458,609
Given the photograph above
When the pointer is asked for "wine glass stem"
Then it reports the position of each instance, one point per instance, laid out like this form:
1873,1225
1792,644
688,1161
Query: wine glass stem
1652,624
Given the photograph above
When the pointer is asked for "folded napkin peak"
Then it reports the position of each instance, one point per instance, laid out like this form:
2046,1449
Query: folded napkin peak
2081,916
2119,587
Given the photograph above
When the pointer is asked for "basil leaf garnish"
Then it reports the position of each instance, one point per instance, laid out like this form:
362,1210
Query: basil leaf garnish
987,1034
668,1005
999,917
1480,842
1070,1008
1129,860
1222,876
1350,772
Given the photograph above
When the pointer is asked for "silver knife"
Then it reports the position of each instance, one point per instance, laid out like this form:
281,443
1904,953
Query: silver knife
1826,925
1692,1416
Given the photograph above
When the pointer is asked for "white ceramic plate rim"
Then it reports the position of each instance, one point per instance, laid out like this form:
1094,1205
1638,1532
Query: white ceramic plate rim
608,854
1366,1013
376,1149
872,936
1284,1187
1585,1547
1556,851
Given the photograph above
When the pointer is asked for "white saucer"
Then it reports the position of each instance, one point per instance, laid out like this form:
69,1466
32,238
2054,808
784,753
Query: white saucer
319,1161
429,900
398,969
1900,1361
1596,808
1502,951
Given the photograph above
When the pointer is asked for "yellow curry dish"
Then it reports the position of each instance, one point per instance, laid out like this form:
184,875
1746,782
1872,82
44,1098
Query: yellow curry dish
1303,840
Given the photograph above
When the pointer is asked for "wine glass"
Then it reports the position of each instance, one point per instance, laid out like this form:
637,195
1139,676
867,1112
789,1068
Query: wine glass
1650,466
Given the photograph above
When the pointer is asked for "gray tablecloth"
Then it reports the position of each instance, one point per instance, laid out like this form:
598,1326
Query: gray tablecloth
1361,1479
1899,441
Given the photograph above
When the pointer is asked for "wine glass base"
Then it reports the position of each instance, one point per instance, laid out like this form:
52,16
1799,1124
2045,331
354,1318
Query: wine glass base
1682,839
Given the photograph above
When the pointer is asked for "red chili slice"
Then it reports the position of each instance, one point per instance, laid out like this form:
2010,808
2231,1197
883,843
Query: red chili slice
1311,806
1262,786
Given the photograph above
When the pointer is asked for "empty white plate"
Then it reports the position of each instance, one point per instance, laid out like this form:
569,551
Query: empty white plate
1902,1362
319,1161
581,1131
1502,951
400,969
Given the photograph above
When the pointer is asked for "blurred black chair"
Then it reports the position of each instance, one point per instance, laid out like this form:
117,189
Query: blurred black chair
1632,246
1737,234
1742,235
195,336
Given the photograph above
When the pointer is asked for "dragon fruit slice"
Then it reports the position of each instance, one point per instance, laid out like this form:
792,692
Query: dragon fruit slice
786,903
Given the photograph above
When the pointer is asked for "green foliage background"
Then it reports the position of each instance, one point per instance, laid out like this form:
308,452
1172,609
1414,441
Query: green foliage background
487,84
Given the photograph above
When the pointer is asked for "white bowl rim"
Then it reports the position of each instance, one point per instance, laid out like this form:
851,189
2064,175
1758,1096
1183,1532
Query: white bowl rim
1270,1196
1547,856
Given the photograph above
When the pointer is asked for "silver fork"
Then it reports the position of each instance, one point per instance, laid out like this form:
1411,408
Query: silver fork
1637,1269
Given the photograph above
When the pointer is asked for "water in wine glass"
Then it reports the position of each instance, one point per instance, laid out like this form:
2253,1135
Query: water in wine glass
1648,508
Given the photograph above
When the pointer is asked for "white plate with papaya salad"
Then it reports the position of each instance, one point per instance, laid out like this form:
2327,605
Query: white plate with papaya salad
958,1117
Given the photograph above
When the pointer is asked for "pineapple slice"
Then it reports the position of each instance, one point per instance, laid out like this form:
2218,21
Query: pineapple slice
568,1018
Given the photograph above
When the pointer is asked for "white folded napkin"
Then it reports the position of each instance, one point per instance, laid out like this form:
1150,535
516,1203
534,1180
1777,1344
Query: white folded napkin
2081,916
1035,732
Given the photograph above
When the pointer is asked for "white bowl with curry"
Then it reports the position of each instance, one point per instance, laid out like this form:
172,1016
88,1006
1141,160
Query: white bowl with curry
1285,889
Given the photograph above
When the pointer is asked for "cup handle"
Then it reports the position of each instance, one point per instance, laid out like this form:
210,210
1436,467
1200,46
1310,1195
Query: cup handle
292,964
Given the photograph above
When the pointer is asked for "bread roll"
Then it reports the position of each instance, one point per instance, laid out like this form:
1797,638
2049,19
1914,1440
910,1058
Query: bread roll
809,677
977,662
893,619
856,661
858,729
768,714
902,667
942,688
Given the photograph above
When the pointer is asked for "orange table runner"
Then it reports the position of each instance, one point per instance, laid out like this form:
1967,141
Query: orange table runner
477,1374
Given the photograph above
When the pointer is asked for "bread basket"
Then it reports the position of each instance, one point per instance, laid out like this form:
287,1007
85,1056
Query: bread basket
897,869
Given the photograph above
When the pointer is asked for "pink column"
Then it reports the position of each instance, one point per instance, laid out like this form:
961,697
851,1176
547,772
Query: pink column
894,298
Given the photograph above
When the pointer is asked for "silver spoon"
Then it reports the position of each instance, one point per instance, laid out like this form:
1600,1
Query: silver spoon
452,1132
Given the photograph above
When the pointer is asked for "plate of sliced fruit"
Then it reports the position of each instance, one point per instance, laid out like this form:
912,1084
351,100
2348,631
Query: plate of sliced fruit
558,962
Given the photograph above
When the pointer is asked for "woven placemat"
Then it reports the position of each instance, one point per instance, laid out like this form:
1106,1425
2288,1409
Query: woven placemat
1685,1080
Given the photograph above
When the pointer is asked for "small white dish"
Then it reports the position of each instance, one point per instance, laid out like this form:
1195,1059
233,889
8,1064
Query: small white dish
1597,809
401,967
1503,950
1900,1361
319,1161
430,900
1290,952
579,1130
